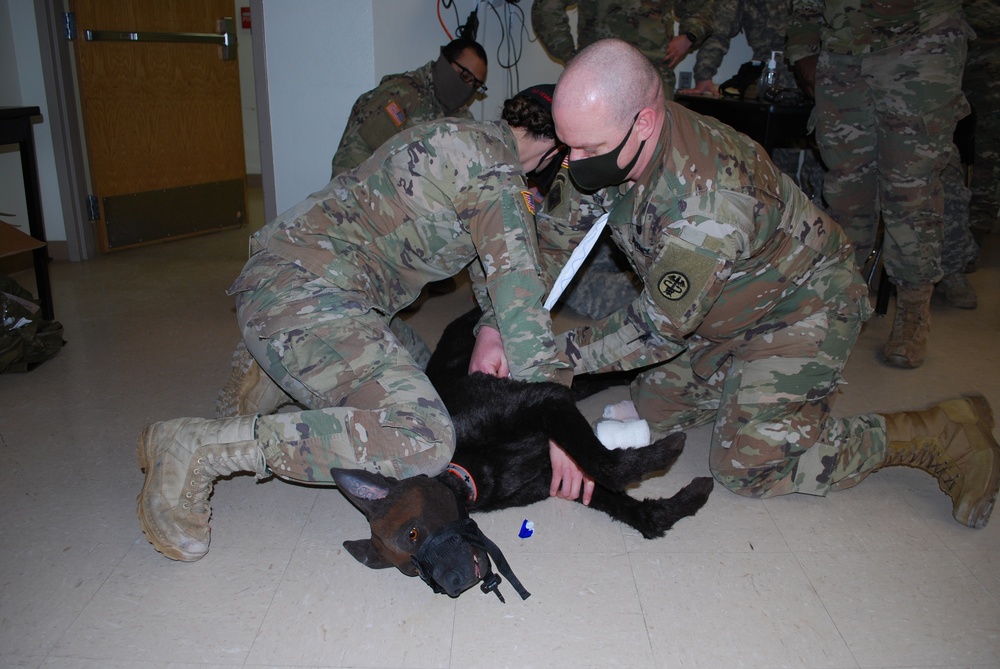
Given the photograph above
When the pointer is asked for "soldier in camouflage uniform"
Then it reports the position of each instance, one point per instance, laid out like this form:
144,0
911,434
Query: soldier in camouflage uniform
605,283
752,301
443,87
316,303
973,211
887,81
646,24
761,21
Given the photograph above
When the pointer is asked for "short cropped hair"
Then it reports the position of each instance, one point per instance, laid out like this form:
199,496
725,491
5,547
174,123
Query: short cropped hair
453,49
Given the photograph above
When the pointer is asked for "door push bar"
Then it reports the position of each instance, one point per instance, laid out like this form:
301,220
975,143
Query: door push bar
225,39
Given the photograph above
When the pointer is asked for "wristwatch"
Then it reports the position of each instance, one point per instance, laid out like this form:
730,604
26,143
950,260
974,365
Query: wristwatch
691,36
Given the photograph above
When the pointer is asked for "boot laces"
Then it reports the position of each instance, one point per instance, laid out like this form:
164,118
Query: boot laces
198,490
211,466
937,463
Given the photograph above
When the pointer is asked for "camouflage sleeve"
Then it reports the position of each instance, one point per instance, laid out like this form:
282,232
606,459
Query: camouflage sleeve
504,236
682,284
725,27
804,25
695,17
373,122
388,112
551,25
627,339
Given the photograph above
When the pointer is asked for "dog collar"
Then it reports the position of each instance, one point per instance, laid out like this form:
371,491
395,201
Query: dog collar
462,473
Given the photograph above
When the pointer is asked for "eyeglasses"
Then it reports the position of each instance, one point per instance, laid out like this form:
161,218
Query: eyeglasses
468,77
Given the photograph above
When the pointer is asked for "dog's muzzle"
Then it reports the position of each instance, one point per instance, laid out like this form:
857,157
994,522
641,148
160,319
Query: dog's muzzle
458,556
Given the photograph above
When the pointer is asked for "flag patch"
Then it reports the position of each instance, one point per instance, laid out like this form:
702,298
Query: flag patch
529,200
396,113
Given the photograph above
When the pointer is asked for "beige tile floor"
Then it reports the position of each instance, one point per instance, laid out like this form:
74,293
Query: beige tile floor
879,576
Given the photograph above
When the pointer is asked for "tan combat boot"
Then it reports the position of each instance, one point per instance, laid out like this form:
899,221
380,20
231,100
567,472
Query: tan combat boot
182,458
953,442
907,345
958,291
249,390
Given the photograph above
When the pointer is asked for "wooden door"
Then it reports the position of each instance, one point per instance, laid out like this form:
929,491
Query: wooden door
162,121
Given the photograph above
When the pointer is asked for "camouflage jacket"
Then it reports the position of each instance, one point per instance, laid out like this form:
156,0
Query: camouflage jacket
857,27
400,101
429,202
763,22
984,17
734,258
646,24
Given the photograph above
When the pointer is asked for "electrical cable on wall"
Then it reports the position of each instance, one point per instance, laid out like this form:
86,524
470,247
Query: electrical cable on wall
447,4
510,50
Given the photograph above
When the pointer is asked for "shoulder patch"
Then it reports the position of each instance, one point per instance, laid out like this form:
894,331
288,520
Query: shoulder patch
673,285
529,200
396,113
683,280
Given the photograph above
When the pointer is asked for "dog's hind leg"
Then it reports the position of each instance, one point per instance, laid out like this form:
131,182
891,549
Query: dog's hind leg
653,517
613,468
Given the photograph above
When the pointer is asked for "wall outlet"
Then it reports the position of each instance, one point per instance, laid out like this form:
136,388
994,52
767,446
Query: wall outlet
685,80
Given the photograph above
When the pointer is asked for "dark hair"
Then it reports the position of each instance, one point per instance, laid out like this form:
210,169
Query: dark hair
527,110
453,49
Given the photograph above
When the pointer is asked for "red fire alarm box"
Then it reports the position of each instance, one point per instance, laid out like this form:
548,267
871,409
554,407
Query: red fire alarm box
245,17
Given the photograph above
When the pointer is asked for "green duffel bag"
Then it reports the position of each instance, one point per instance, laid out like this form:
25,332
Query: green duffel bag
26,339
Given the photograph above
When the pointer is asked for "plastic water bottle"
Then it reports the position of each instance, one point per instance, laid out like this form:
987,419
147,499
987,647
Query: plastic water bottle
767,87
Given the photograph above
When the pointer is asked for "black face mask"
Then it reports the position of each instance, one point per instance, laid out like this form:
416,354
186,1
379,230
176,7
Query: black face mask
600,171
542,177
449,88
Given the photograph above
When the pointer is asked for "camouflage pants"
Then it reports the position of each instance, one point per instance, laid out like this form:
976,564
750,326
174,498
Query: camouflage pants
805,168
884,123
369,404
604,284
774,433
958,246
981,83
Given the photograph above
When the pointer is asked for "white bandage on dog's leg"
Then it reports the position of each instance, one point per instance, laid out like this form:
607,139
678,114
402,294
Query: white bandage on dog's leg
623,434
624,410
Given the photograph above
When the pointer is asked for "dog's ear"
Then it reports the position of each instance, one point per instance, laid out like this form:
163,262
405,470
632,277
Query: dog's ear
363,489
364,552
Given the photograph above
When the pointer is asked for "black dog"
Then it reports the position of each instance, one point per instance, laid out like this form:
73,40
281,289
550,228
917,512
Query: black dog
503,428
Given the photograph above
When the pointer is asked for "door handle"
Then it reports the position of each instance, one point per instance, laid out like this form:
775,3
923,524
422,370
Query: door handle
226,38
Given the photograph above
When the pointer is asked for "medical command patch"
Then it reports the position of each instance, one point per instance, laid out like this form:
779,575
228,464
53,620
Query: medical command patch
396,113
673,286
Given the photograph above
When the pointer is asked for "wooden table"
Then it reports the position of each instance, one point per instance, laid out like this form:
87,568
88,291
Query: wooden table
15,128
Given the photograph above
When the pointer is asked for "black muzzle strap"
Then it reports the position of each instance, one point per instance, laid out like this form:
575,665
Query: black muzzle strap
444,543
504,568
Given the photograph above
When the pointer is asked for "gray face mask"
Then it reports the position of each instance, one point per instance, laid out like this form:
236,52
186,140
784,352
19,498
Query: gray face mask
449,88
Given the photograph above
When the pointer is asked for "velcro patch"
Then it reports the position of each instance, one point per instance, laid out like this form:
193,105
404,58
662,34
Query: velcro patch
680,278
396,113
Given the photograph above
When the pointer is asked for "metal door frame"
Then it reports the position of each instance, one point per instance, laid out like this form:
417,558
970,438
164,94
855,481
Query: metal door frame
66,123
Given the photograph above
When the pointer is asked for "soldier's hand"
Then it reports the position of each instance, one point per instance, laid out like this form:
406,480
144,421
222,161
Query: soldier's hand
568,480
805,74
487,355
704,87
677,49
